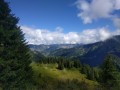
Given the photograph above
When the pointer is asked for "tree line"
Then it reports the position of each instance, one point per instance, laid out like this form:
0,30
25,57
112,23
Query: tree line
107,74
15,58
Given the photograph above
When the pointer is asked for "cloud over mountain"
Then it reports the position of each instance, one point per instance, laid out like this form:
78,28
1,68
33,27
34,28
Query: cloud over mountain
44,36
89,10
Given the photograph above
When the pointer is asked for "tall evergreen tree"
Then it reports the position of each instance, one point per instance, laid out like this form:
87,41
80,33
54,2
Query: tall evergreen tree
110,74
61,64
14,53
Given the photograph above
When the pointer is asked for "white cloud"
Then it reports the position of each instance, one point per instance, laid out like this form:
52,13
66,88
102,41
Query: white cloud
89,11
44,36
117,4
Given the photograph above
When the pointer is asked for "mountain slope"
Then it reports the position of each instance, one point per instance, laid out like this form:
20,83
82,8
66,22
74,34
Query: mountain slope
92,54
48,49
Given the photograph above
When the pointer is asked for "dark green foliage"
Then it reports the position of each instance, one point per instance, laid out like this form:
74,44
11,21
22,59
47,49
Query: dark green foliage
97,72
110,75
91,73
67,85
116,61
85,69
77,64
61,61
60,65
14,53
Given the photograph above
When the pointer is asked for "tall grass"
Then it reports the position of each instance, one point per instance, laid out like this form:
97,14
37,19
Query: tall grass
48,77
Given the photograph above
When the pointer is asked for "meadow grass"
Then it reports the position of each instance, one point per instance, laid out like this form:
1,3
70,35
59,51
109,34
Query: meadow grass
48,75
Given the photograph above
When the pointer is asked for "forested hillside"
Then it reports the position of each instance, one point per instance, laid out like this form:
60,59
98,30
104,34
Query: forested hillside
54,67
92,54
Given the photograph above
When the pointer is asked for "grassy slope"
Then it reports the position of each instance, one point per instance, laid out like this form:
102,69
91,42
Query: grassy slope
46,75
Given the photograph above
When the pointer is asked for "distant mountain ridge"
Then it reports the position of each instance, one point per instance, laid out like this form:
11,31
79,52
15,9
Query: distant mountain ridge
48,49
92,54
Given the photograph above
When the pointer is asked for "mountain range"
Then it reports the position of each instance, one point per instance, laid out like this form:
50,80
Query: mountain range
92,54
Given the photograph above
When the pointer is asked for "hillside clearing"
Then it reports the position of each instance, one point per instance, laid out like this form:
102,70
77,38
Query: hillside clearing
48,75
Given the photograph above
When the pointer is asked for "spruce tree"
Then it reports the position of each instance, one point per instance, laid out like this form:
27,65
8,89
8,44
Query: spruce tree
15,61
110,75
61,64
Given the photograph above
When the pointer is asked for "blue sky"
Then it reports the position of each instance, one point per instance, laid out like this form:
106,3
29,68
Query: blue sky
66,19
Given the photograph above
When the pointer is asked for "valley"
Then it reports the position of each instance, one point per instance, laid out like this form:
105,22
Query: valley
50,49
92,54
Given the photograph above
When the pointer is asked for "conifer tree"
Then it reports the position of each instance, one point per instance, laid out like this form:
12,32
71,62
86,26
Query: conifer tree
14,53
110,75
61,64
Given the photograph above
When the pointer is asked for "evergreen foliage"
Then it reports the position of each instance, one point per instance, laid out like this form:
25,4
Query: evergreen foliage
60,65
110,75
14,53
61,61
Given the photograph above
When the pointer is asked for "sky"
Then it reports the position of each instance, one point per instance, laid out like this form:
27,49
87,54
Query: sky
67,21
